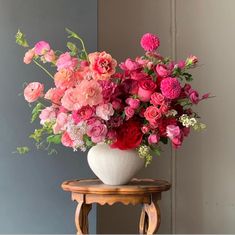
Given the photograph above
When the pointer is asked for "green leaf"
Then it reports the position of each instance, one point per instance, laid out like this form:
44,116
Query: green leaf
55,139
36,111
82,55
20,39
188,77
72,34
22,150
88,141
157,151
164,140
73,48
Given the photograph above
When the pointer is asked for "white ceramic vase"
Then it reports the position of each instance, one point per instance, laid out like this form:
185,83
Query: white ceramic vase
114,166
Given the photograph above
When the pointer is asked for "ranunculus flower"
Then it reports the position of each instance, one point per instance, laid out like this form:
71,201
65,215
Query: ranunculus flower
153,139
48,114
66,61
89,93
70,100
152,114
97,131
64,78
170,88
194,97
41,48
55,95
129,135
33,91
129,112
102,64
83,114
129,65
172,131
105,111
162,70
28,57
61,122
146,89
149,42
133,103
49,56
157,99
66,140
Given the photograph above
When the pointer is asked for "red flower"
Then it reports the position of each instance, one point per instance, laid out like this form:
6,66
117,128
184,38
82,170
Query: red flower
129,135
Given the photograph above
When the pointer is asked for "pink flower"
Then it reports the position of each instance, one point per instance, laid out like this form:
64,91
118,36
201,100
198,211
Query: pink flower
66,140
194,97
71,100
33,91
162,70
117,104
65,61
157,99
145,129
64,78
61,122
102,64
129,112
105,111
112,135
55,95
149,42
97,131
187,88
172,131
84,113
89,93
41,48
50,56
29,55
152,114
181,64
191,61
138,76
164,108
177,141
129,65
146,89
48,114
133,103
108,88
153,139
170,88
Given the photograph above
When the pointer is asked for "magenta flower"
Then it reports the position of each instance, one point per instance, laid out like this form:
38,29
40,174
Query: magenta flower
150,42
170,88
41,48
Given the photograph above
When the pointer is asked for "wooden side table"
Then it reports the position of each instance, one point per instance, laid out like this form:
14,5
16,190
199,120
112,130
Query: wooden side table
139,191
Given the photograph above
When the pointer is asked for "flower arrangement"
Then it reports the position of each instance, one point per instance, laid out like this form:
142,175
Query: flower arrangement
147,102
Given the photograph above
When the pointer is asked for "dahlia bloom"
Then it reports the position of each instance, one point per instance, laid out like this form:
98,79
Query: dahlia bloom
150,42
170,88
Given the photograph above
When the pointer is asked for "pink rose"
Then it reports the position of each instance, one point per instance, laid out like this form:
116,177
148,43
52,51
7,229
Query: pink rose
187,88
194,97
133,103
84,113
129,65
41,48
55,95
105,111
181,64
64,78
145,129
61,122
129,112
33,91
146,89
152,114
172,131
170,88
162,70
102,64
138,76
66,61
50,56
97,131
48,114
153,139
149,42
71,100
177,141
164,108
29,55
66,140
157,99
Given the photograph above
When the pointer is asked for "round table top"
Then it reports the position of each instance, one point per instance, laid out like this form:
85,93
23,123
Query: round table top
135,186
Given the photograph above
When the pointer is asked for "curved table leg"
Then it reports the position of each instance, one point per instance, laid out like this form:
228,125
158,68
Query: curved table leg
81,217
150,218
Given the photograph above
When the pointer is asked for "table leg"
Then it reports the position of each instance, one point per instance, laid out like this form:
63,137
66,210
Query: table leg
81,217
150,218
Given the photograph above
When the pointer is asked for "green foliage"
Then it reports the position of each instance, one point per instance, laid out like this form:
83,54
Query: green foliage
36,111
156,150
188,77
88,141
164,140
73,48
22,150
55,139
20,39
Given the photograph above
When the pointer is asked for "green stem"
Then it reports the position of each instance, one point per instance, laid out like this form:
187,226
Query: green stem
39,65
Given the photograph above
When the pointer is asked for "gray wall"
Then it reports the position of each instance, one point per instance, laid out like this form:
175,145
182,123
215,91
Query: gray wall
31,200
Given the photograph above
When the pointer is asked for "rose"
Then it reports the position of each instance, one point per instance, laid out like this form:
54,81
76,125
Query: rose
133,103
172,131
129,112
84,113
97,131
145,129
162,70
70,99
33,91
41,47
61,122
129,135
29,55
194,97
164,108
130,65
66,61
64,79
48,114
105,111
177,141
146,89
157,99
152,114
170,88
138,75
55,95
153,139
187,88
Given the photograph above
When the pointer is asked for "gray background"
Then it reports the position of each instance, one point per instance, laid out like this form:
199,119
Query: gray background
31,200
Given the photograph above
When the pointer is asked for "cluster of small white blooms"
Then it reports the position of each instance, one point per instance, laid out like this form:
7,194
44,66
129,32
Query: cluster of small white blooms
171,112
187,122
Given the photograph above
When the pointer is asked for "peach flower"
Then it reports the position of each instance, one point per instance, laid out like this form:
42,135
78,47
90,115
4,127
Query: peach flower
48,114
64,78
28,57
33,91
61,122
102,64
55,95
66,61
71,100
